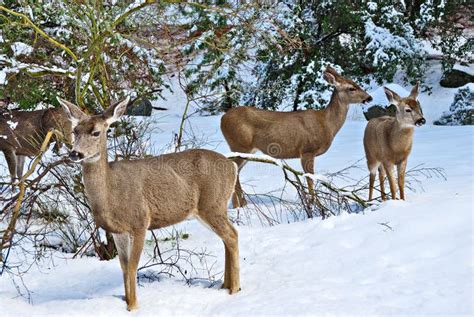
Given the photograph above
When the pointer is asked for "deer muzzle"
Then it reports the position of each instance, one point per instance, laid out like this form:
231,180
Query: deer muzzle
75,156
369,99
420,122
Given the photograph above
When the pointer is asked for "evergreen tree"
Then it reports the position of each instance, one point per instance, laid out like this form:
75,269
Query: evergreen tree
93,52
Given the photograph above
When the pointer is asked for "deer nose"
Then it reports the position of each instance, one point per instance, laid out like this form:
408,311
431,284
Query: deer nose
75,156
368,99
420,122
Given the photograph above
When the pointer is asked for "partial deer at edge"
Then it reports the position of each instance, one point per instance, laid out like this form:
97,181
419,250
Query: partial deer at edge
388,141
128,197
299,134
22,132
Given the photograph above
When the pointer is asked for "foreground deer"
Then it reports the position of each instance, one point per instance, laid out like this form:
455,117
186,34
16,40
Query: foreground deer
129,197
388,141
22,132
300,134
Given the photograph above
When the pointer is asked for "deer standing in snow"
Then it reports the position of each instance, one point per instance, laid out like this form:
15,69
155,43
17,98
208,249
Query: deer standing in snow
128,197
388,141
22,132
299,134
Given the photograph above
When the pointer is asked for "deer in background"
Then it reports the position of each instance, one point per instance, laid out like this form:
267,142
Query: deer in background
284,135
388,141
22,132
128,197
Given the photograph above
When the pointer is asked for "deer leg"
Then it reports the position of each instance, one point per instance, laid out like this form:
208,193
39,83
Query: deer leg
401,168
238,199
137,242
382,182
10,157
122,241
391,180
371,183
20,163
221,225
372,174
307,161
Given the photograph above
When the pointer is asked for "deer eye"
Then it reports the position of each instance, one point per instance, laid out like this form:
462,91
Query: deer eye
352,89
96,133
408,110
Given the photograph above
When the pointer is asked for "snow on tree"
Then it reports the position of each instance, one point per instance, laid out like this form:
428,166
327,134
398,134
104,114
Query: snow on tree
461,111
290,44
91,52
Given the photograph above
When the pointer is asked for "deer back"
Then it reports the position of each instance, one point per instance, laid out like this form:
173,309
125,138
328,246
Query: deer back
158,191
279,134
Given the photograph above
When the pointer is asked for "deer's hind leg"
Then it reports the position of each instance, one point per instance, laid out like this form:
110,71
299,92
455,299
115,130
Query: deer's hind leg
238,199
221,225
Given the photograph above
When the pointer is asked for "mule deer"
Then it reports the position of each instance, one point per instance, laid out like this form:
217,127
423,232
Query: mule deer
130,196
22,132
388,141
300,134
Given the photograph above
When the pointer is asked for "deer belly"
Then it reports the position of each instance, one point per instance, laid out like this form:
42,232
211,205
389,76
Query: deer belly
164,219
111,223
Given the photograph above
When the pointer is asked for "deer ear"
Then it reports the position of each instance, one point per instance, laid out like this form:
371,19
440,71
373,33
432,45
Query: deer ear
73,112
113,113
392,96
331,75
415,90
330,78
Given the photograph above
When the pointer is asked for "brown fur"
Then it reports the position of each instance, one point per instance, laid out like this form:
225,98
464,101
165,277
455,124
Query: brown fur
129,197
26,138
388,142
300,134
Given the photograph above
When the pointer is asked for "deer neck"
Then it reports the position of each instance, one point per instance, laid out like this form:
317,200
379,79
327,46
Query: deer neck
95,177
402,133
336,113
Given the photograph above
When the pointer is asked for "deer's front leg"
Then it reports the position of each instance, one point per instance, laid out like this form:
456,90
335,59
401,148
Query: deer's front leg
137,242
382,182
20,163
10,157
391,179
123,244
307,161
401,168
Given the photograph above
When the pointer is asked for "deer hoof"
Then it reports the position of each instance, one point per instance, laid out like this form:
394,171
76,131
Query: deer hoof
132,306
234,290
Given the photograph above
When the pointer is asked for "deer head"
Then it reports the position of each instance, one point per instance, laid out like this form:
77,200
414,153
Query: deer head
89,133
346,88
409,111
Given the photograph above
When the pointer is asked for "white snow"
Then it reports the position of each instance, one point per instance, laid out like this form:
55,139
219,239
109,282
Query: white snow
20,48
3,78
12,124
412,257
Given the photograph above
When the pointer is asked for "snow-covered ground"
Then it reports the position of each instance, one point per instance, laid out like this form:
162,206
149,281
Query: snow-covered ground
412,257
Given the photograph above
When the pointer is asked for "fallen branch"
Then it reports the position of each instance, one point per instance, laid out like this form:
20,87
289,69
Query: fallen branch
308,200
